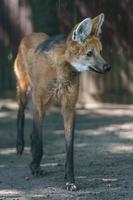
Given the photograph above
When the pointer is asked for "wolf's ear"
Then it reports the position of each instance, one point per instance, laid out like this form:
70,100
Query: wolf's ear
97,24
82,31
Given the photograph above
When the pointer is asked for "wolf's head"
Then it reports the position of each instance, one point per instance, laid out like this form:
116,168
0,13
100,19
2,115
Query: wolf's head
84,46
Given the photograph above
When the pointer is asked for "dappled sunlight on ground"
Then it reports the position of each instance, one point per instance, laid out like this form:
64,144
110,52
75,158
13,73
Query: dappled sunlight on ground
120,148
8,151
108,109
103,155
122,131
1,166
10,192
8,103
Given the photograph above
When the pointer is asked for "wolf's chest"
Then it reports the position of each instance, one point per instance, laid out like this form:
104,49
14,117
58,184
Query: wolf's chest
59,88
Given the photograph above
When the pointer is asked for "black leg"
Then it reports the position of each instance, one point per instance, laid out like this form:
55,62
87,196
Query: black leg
20,129
69,118
36,146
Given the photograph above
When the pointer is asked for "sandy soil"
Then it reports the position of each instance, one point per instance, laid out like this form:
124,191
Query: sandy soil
103,155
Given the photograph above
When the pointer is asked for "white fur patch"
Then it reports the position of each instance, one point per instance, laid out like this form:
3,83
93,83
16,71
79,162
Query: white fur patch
82,31
100,23
80,67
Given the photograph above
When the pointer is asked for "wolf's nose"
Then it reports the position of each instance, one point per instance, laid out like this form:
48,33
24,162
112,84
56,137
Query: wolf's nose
106,68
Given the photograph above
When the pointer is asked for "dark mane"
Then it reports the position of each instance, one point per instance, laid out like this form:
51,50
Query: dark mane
50,43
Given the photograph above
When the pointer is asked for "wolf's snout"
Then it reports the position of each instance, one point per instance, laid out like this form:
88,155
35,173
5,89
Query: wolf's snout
106,68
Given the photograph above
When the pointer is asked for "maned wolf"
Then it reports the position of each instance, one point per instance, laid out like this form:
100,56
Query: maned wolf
48,68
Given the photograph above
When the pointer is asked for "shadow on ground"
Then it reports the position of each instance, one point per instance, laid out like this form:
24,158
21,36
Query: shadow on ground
103,156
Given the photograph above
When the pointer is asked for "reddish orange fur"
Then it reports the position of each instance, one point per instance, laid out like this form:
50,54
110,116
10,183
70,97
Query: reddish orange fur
44,72
50,78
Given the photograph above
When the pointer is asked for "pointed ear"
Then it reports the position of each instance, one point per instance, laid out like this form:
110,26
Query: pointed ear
97,24
82,31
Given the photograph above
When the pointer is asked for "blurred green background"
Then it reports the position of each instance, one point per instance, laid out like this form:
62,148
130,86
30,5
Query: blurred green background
21,17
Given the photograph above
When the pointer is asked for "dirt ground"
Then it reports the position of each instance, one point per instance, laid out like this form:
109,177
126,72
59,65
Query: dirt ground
103,155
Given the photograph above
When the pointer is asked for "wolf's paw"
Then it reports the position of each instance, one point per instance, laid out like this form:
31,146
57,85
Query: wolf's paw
71,186
36,171
20,148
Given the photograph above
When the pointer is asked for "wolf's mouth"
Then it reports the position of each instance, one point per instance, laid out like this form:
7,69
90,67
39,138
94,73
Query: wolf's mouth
96,70
105,69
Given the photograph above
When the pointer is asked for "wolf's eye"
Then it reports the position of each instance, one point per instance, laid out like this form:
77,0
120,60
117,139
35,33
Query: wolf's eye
90,53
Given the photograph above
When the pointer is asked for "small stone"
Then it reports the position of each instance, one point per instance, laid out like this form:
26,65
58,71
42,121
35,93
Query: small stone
27,178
